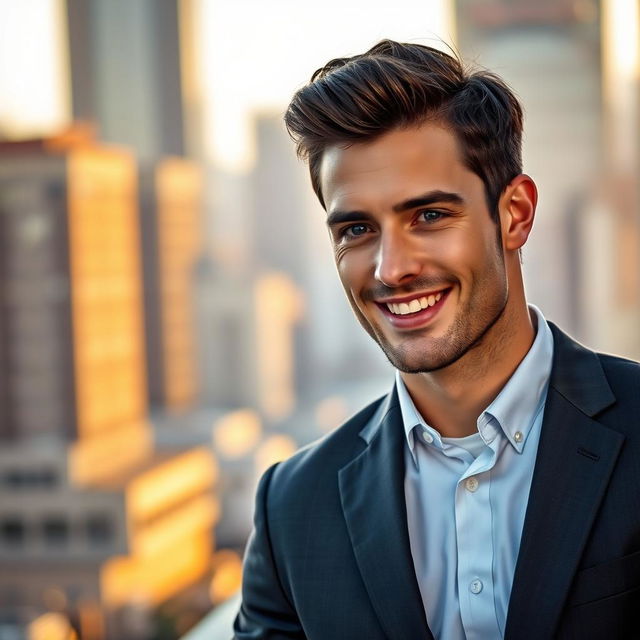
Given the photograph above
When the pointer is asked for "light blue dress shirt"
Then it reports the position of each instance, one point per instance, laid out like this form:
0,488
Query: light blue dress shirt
466,500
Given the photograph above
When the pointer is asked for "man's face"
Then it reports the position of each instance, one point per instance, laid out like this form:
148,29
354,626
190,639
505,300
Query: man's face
417,252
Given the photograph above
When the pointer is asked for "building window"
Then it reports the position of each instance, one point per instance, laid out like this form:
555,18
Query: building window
30,479
99,529
12,531
47,478
56,531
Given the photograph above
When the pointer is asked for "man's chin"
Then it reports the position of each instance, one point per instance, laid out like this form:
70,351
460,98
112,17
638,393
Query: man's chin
418,367
424,355
415,361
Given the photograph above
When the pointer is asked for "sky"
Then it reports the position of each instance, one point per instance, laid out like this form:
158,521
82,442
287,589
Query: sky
256,53
34,96
252,55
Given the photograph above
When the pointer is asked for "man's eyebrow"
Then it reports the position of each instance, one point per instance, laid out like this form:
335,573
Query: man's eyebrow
338,217
426,199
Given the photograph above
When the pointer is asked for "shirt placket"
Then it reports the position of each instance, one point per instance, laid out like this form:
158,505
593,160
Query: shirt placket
475,549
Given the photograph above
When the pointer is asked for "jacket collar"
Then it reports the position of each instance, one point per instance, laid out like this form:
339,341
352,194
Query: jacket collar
373,503
577,375
576,457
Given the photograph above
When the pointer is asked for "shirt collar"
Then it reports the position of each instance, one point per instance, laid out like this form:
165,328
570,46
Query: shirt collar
520,401
514,409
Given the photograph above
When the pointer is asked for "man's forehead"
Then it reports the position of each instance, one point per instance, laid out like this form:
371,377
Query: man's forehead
403,160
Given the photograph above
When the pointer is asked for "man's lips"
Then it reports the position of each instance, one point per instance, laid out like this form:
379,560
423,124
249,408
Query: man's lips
413,310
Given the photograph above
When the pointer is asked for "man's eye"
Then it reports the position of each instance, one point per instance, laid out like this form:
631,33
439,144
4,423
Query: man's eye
355,230
430,215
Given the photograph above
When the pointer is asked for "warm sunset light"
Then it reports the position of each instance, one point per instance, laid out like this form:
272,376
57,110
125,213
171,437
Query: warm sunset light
178,184
156,577
107,289
621,75
199,513
34,76
171,482
621,31
278,307
227,575
237,433
274,449
51,626
170,514
94,460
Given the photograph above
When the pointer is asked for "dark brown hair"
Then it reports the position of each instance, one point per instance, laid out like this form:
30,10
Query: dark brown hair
398,85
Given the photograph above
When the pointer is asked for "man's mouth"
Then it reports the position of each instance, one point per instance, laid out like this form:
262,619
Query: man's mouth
412,312
410,305
415,305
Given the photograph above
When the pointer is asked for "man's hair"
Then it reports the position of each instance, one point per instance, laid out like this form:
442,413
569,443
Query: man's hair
396,85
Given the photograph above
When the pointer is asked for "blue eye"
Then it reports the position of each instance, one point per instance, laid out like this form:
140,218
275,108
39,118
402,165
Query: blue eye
430,215
355,230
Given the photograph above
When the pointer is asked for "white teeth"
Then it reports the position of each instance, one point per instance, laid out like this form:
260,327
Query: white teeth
417,304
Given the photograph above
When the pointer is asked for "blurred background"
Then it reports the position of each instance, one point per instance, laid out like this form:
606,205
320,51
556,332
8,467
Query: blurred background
170,318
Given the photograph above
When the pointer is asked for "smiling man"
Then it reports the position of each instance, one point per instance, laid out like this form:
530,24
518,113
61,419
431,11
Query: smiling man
495,491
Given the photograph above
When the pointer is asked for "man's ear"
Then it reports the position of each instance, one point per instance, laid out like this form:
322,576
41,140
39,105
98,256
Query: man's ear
517,209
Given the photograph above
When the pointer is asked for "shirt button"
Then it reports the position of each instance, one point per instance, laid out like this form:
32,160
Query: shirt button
475,586
517,436
427,437
471,484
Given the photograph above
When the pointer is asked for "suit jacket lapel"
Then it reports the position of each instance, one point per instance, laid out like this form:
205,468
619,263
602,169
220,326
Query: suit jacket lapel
373,502
576,457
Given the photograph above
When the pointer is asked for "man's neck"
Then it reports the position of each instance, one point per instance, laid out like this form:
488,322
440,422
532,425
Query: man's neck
451,399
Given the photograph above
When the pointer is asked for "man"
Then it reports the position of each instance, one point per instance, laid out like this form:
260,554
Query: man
494,493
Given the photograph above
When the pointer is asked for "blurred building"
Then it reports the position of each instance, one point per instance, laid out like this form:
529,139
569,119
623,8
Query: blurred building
550,54
95,555
575,67
609,224
171,204
89,511
125,63
113,302
73,351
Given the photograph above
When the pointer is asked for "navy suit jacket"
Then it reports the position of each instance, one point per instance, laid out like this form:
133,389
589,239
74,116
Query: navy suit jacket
329,558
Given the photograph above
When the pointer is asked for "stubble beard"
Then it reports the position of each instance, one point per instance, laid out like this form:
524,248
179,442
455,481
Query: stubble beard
467,333
461,338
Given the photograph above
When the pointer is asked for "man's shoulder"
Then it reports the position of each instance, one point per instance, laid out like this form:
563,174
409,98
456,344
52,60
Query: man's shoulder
620,366
618,369
622,374
336,447
319,461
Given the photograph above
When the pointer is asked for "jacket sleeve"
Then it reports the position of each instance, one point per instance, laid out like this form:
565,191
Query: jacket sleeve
265,613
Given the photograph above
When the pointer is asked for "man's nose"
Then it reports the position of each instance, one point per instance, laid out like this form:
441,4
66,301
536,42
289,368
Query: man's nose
397,262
